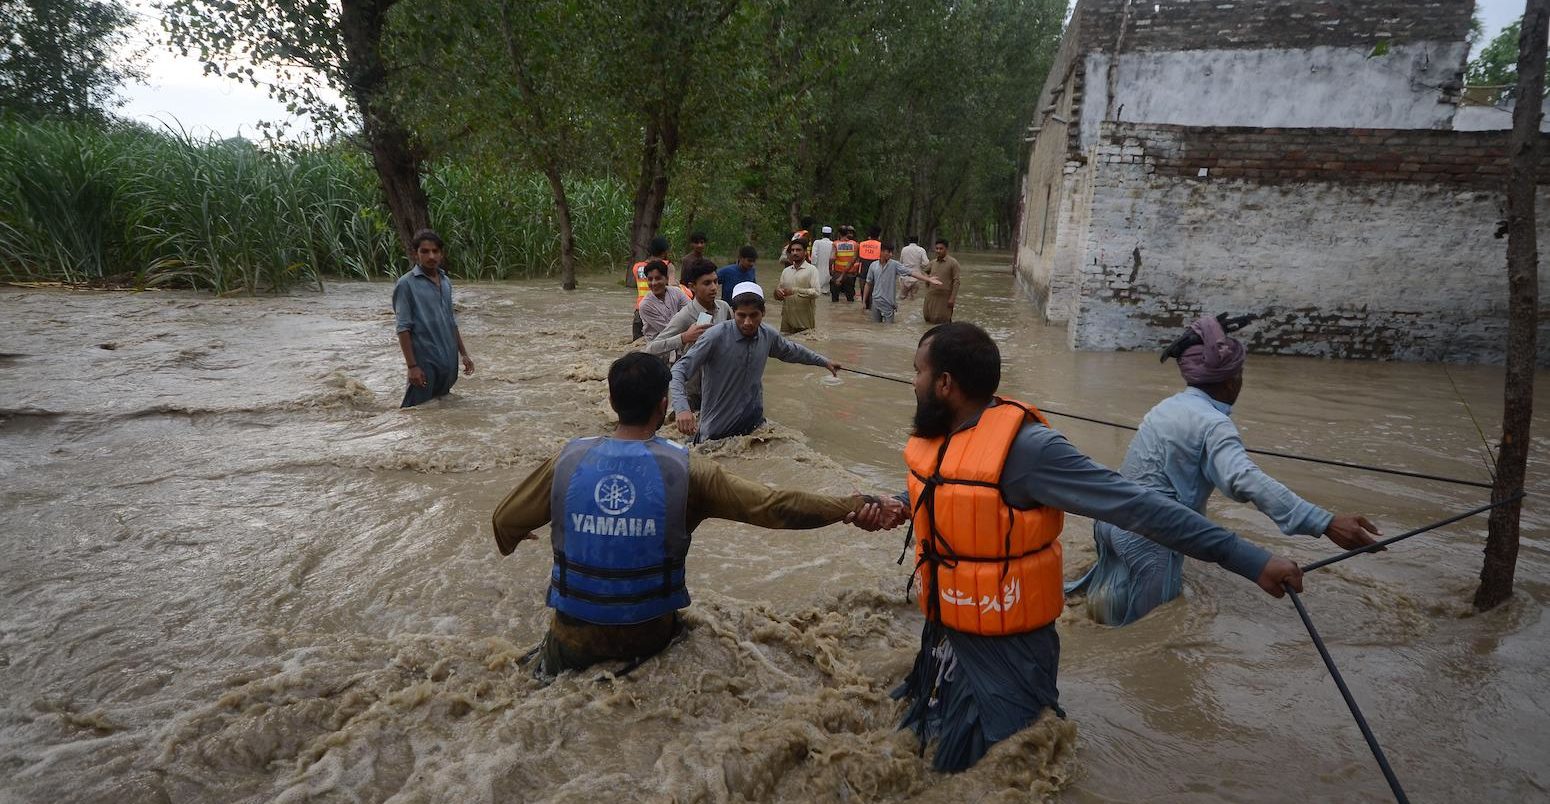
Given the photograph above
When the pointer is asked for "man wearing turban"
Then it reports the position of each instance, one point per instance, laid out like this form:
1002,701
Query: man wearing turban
1186,448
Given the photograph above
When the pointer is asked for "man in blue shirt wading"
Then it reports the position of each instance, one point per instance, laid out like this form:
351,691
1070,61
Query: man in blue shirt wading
427,329
1186,448
730,276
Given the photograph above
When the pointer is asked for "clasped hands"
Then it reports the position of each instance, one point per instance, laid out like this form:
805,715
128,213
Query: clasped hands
886,513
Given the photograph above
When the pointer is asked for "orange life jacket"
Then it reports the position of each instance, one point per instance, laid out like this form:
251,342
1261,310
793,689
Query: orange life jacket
984,567
643,285
845,257
871,249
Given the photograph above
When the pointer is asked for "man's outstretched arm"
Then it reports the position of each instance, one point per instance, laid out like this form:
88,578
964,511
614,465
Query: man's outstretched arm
715,493
525,509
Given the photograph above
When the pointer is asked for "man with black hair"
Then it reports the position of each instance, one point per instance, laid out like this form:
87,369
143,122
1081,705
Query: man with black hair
703,311
730,359
427,328
662,303
941,299
880,289
730,276
989,481
696,248
658,248
622,510
869,250
798,291
845,266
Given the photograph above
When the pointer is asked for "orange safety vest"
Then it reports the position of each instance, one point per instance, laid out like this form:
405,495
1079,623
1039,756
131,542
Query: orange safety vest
984,567
871,249
845,257
643,285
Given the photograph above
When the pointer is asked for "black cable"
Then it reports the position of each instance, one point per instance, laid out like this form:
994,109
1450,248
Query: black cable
1270,452
1376,546
1350,702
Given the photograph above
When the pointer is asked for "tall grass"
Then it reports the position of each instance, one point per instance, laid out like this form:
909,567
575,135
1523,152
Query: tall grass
126,204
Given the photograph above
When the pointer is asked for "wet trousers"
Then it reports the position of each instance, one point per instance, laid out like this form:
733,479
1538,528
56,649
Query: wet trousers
1133,576
438,382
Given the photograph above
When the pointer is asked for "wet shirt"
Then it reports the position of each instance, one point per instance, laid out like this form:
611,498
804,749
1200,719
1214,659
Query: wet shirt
1187,447
913,256
669,343
423,308
730,275
884,279
822,256
655,313
731,369
798,311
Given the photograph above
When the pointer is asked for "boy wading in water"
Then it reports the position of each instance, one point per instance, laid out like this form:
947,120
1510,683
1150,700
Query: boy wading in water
427,329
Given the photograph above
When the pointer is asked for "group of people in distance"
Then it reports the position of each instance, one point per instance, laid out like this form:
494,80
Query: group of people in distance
989,482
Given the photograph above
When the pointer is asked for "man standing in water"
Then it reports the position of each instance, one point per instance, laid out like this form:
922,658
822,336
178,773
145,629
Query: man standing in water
868,250
913,256
942,298
730,359
823,257
881,286
621,512
687,325
989,481
842,278
744,270
662,303
798,291
427,329
658,248
1186,448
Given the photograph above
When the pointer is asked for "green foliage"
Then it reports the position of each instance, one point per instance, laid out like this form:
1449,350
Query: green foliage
81,203
59,58
1497,64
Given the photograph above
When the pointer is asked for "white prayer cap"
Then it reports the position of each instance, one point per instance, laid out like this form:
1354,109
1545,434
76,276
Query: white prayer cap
747,287
828,230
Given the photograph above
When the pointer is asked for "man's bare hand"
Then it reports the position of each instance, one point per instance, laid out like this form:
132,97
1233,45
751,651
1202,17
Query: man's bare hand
931,280
468,365
1352,531
687,423
693,333
885,514
1279,571
417,377
834,368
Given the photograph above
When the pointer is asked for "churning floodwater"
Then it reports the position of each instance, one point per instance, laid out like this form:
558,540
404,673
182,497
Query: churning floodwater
235,571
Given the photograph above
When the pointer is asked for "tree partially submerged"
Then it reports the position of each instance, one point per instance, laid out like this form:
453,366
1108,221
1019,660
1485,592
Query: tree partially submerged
303,53
1525,147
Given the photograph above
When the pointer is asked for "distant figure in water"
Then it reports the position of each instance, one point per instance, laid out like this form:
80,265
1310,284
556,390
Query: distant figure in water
427,328
989,481
1186,448
730,360
882,282
942,299
621,512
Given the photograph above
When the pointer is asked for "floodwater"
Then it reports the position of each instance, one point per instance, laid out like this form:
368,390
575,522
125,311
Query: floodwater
235,571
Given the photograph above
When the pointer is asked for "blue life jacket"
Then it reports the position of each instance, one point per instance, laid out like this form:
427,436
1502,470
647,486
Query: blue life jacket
617,513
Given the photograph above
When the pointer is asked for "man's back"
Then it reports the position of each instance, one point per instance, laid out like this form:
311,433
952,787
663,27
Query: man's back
913,256
1167,452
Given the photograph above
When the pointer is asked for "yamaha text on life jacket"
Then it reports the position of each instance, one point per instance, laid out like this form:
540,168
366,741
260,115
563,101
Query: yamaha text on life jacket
983,566
618,530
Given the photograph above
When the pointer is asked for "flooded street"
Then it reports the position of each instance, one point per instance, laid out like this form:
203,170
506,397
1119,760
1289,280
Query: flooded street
235,571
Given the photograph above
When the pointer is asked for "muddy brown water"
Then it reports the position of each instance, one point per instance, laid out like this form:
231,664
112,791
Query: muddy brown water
234,571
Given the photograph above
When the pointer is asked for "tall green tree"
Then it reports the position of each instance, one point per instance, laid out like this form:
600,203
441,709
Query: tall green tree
1497,64
61,58
303,52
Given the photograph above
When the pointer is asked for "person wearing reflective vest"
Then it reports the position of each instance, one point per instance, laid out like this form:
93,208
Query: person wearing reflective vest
843,274
658,248
989,481
622,510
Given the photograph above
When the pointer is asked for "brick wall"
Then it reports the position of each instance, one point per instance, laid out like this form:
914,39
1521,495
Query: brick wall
1340,261
1226,24
1273,156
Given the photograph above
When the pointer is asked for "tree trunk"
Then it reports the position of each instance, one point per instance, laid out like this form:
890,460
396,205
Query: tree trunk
562,218
393,154
658,150
1501,548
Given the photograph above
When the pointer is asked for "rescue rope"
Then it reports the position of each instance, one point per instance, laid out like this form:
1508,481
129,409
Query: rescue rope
1269,452
1350,702
1376,546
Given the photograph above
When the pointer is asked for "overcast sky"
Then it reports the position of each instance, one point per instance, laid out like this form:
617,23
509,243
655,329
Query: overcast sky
177,91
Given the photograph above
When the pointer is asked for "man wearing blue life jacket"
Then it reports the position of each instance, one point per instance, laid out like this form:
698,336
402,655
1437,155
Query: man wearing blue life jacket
1186,448
622,510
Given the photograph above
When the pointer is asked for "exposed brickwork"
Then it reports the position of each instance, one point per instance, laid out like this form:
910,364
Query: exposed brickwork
1229,24
1276,156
